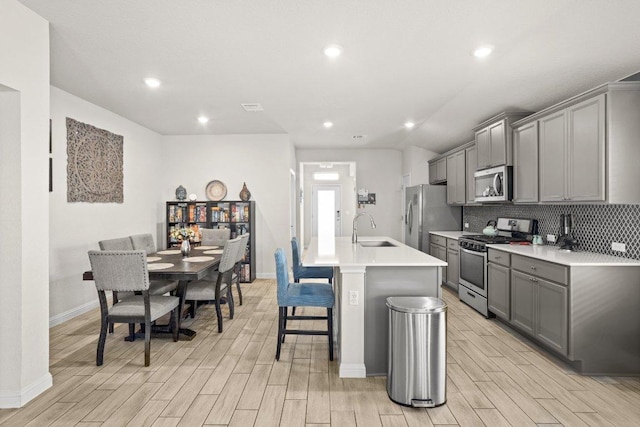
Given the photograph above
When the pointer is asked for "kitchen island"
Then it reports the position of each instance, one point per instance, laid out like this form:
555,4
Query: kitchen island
365,274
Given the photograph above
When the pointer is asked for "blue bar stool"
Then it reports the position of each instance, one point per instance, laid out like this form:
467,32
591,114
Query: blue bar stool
301,295
300,272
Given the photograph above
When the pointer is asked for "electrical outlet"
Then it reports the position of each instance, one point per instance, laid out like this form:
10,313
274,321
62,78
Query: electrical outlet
466,225
353,297
551,238
620,247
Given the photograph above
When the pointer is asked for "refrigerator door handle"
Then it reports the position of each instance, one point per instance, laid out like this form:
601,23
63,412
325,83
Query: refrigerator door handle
409,216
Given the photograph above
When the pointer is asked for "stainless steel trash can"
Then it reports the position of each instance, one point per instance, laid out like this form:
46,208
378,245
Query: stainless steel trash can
417,371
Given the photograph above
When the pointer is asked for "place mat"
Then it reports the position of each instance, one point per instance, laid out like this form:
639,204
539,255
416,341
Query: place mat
153,258
197,259
159,266
214,252
202,248
169,252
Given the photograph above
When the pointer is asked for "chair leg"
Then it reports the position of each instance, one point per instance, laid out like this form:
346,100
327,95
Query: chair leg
239,290
132,331
101,341
284,321
330,331
192,309
218,315
281,316
110,328
293,312
230,302
147,343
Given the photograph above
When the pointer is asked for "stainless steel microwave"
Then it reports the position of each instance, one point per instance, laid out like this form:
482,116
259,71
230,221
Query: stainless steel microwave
494,185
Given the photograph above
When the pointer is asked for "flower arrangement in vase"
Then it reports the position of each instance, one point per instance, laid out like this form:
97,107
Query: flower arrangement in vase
183,235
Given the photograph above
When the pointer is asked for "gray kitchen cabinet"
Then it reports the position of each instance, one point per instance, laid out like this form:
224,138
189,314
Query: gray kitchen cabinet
438,171
539,306
438,249
525,163
499,290
494,140
456,178
572,153
471,160
522,302
453,259
588,146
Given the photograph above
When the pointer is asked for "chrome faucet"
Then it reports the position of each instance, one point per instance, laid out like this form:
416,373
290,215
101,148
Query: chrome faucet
354,235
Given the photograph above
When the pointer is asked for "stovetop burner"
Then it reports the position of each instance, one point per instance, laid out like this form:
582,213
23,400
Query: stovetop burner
493,239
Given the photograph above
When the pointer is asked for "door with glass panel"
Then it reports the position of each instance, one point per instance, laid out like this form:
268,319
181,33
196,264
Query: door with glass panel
326,211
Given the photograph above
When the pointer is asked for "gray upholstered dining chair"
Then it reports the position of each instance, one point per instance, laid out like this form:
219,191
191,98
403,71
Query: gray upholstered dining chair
215,236
145,242
213,289
237,270
156,287
126,271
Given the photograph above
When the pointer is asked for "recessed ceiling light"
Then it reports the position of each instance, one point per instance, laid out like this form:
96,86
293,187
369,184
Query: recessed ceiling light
152,82
203,119
483,51
409,125
327,124
333,50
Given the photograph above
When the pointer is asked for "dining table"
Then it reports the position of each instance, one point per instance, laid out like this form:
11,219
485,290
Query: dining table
170,264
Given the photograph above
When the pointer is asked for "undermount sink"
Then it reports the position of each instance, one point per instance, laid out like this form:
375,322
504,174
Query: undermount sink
376,244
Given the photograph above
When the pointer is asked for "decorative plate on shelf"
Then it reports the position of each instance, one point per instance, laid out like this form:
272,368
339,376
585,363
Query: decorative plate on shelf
216,190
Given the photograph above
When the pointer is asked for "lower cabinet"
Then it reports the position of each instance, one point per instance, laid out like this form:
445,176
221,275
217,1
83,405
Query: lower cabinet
499,290
540,308
440,252
453,259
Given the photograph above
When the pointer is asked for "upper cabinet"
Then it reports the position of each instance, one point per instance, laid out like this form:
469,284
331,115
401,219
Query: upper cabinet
525,163
493,140
587,148
456,178
438,171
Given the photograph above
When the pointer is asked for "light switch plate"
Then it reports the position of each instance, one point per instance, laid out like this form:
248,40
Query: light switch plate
551,238
466,225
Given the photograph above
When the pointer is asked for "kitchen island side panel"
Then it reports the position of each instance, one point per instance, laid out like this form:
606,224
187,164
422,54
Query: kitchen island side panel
381,283
604,323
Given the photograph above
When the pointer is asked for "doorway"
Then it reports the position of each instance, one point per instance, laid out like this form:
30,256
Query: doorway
326,213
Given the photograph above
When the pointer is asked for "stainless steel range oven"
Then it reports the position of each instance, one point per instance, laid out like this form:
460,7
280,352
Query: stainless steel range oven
473,280
472,287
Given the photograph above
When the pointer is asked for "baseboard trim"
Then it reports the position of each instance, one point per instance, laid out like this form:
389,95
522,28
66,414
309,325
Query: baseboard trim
353,370
70,314
19,399
266,275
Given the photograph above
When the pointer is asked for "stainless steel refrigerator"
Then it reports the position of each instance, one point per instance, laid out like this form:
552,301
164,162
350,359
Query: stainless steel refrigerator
427,210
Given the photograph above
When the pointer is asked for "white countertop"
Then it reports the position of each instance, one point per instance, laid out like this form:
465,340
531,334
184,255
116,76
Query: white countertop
450,234
577,258
339,251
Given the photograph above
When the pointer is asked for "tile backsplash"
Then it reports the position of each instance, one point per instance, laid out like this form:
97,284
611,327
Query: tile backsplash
596,226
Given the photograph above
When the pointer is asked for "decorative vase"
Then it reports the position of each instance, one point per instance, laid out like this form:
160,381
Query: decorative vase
185,247
245,194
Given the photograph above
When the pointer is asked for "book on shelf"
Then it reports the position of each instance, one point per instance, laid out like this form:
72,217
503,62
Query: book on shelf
246,213
192,213
172,213
201,213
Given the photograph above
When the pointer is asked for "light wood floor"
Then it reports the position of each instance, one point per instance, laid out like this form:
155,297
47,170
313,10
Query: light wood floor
495,378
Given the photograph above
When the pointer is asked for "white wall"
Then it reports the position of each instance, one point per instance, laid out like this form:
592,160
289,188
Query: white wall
262,161
415,161
24,285
377,170
77,227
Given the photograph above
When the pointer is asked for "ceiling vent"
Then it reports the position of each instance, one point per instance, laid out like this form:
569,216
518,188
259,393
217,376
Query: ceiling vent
252,108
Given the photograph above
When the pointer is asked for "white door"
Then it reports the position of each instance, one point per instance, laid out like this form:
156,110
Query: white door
326,212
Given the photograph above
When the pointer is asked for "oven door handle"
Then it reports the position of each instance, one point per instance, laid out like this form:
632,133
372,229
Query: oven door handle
477,253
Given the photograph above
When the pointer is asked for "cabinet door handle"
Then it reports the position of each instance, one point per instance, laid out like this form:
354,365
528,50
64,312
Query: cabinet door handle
532,279
470,294
533,267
